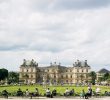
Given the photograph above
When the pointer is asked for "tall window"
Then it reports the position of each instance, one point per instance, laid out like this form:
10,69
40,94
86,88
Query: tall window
66,76
54,76
31,70
82,70
66,81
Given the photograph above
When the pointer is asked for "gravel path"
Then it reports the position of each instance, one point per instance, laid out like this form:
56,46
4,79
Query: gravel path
62,98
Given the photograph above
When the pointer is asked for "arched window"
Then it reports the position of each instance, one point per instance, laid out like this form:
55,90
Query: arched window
31,70
31,76
66,81
82,70
66,76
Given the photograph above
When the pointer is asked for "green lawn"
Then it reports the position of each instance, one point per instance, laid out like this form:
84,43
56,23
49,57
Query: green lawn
60,89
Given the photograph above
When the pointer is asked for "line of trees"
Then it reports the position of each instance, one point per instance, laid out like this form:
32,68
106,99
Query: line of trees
104,78
13,77
92,76
3,74
9,77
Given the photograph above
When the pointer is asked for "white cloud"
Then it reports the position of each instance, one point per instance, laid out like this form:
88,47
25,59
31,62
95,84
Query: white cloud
35,29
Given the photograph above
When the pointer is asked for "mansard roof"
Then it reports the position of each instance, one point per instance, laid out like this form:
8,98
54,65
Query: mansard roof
32,63
29,63
81,64
103,70
54,66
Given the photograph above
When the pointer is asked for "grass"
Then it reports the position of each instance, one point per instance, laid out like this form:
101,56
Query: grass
60,89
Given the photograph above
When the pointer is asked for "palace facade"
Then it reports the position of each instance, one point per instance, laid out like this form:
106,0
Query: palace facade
31,72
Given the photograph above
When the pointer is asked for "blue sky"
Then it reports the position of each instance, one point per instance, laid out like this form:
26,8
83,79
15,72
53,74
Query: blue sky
55,30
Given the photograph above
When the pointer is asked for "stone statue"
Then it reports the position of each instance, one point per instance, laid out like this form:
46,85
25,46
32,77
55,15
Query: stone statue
59,63
37,64
24,62
86,63
32,62
55,63
75,64
78,63
50,63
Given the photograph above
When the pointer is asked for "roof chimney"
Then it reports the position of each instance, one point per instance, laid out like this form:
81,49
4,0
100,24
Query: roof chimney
59,63
55,63
50,63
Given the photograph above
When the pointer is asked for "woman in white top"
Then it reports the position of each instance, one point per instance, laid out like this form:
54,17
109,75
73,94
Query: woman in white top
97,90
27,92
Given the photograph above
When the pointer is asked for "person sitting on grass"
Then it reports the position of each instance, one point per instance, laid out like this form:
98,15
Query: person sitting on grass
54,92
27,92
107,93
71,92
19,92
36,92
98,91
67,92
82,94
48,93
5,93
89,93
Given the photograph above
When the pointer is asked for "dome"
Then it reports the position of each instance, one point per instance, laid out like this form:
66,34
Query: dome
28,62
82,63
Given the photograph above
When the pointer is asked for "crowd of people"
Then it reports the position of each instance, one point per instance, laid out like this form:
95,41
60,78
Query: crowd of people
52,93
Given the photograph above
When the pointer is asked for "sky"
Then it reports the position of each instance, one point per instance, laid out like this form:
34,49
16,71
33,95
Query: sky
55,31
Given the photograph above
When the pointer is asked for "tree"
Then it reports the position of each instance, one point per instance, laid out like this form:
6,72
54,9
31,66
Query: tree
3,74
92,74
100,79
13,77
106,76
108,80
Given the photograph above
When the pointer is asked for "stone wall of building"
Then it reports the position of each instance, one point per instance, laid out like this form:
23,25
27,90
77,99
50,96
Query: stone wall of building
55,73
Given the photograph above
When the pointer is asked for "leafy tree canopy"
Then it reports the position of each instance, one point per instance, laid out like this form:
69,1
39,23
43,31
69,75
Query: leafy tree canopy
3,74
13,77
